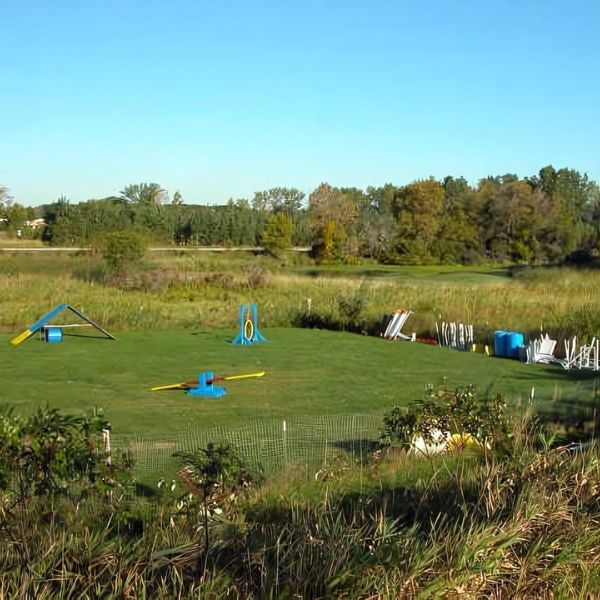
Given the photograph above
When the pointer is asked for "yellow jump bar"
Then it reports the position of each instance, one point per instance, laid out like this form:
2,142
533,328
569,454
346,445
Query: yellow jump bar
188,384
236,377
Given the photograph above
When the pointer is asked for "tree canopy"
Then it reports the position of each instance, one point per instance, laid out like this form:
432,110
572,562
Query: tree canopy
549,217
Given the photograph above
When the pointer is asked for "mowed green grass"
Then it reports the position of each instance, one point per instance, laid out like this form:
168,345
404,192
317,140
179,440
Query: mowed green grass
308,372
424,274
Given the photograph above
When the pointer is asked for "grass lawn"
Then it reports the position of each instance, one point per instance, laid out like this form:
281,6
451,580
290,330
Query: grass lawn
432,274
309,372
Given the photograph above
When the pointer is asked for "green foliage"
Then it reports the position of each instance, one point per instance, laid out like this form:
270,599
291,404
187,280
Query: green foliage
214,476
418,209
521,527
144,193
447,411
279,199
549,217
123,250
51,453
212,469
351,308
4,195
583,322
16,216
331,243
332,213
277,234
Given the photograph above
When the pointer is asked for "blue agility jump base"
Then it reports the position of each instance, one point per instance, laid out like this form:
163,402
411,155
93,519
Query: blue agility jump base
249,332
206,388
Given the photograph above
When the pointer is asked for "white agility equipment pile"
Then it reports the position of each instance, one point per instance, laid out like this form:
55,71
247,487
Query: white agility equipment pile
542,351
584,357
394,327
455,335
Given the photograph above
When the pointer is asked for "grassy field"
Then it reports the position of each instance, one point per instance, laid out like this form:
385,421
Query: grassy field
176,315
308,372
521,523
409,274
204,290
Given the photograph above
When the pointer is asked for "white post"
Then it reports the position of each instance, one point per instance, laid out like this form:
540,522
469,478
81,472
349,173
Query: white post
107,449
284,437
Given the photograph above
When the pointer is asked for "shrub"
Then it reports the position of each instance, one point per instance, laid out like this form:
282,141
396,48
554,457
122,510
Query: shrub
444,412
350,309
256,276
213,476
123,250
52,453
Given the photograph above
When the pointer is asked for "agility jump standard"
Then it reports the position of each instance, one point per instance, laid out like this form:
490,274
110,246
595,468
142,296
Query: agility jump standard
204,385
249,332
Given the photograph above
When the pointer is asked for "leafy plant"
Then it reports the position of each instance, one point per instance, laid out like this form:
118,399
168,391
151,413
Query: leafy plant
276,236
330,243
213,476
122,250
350,308
444,412
53,453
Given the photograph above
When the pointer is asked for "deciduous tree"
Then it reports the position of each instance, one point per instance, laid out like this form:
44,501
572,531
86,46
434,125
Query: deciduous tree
418,209
331,213
5,202
144,193
275,199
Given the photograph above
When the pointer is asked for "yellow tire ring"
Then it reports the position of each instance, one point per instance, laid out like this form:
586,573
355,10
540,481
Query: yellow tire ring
248,329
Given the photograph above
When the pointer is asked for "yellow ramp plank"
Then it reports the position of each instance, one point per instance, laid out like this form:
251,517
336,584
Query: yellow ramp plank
21,337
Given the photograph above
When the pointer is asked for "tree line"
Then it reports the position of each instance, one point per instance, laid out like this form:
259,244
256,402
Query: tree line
550,217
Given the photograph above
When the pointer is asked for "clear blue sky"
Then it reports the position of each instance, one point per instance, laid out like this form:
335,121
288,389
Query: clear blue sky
220,98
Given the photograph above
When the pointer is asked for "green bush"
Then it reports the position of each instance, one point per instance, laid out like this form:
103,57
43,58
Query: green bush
463,411
123,250
350,309
52,453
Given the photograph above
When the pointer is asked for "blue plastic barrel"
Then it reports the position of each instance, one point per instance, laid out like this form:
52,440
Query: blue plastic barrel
514,340
53,335
500,343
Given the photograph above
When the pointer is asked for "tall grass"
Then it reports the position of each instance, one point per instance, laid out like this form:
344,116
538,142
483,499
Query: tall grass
205,291
523,525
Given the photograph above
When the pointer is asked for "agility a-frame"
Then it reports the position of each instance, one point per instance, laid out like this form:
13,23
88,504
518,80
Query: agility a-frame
53,333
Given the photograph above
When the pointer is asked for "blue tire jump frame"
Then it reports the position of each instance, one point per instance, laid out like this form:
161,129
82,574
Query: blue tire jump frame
249,332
